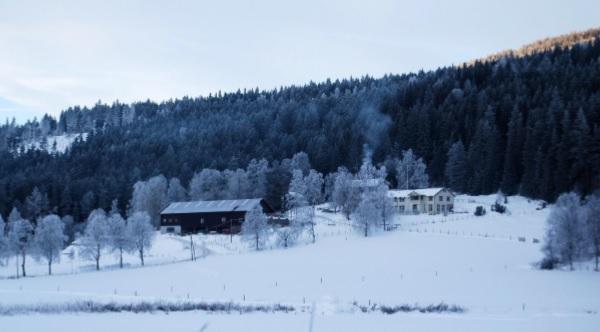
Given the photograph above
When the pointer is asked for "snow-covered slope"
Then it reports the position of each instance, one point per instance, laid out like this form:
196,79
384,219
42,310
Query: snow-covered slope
61,142
474,262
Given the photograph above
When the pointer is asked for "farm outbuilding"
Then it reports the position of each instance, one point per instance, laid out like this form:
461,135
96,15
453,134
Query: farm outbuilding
426,200
221,216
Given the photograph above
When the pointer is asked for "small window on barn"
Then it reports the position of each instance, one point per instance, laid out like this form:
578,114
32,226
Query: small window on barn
202,220
223,219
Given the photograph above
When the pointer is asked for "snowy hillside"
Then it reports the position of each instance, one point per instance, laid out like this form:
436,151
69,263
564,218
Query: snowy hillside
482,264
60,142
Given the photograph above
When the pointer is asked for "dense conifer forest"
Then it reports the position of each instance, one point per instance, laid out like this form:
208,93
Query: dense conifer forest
527,124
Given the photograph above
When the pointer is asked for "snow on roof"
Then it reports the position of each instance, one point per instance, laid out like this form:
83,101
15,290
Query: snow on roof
228,205
420,192
365,182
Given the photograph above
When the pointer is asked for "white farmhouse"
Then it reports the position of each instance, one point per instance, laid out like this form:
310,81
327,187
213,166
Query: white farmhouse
427,200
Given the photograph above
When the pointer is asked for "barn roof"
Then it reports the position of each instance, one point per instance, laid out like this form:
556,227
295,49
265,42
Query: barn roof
228,205
421,192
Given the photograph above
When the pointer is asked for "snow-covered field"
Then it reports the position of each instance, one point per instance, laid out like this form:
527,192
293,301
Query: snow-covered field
475,262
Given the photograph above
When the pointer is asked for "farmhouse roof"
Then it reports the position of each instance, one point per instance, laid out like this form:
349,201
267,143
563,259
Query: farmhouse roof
420,192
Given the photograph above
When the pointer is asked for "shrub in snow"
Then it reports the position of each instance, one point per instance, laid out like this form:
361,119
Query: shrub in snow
548,263
141,232
432,308
497,207
255,228
479,211
140,307
49,239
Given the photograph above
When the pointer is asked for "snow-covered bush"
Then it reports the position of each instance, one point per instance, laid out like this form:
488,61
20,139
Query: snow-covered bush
479,211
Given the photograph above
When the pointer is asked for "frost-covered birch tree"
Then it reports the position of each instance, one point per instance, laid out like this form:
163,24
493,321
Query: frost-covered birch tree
95,236
591,217
288,235
4,249
208,184
411,172
14,215
384,204
150,197
237,184
314,187
255,228
20,235
175,191
141,232
564,230
366,216
297,184
345,196
49,239
119,238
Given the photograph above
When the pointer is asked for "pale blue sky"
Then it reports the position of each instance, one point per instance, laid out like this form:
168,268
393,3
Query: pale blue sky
56,54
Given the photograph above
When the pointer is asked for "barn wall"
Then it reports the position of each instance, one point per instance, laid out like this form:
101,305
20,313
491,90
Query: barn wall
213,221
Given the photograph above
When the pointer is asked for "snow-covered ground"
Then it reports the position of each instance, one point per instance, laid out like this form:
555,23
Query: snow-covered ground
475,262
